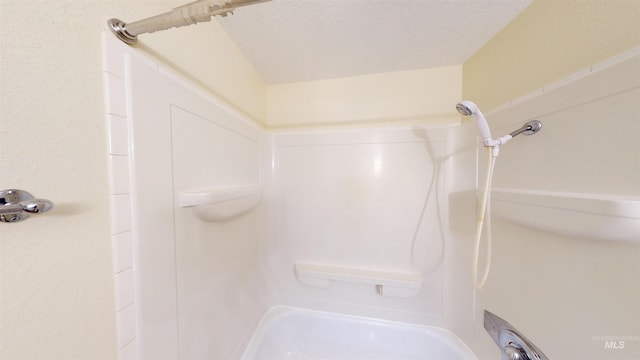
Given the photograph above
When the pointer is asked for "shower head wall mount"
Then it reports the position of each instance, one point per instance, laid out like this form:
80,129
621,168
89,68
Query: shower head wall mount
529,128
468,108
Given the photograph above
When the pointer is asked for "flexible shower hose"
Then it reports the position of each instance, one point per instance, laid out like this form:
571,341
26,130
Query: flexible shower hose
485,213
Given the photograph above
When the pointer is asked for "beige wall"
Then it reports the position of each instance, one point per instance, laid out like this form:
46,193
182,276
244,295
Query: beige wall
204,54
548,41
426,96
57,283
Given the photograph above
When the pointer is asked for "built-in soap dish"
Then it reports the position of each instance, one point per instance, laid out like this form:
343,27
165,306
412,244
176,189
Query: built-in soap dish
586,216
386,283
222,203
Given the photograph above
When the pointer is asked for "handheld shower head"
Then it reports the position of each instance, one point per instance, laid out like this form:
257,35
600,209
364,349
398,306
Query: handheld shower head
468,108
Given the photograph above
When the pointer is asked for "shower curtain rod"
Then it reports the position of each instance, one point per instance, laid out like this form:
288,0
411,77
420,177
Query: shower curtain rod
192,13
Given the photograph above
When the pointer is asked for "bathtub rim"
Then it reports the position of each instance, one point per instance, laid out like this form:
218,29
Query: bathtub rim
277,311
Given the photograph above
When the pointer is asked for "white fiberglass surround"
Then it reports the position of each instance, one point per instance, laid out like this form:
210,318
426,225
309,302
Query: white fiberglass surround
361,206
334,226
185,269
347,205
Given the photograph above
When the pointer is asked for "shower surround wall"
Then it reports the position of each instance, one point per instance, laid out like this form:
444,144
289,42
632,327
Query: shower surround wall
575,266
181,278
353,200
168,138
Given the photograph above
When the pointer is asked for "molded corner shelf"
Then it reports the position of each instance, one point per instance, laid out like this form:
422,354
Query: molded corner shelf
387,283
221,204
584,216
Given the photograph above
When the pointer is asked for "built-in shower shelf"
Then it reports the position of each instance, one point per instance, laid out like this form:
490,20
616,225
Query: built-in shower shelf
222,203
386,283
578,215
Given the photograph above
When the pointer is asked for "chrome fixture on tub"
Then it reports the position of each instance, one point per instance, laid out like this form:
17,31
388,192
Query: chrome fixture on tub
514,346
17,205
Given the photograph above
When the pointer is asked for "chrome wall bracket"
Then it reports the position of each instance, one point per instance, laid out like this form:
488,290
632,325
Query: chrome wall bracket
514,346
529,128
17,205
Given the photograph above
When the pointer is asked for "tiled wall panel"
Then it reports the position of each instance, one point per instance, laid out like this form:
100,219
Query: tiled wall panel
120,198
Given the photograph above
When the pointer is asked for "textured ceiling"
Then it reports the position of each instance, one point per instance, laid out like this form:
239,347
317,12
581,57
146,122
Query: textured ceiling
301,40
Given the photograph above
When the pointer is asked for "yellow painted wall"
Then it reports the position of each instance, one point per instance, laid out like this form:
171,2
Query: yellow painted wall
549,40
425,96
205,54
57,297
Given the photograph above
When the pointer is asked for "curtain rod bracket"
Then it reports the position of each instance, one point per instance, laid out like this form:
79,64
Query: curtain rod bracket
192,13
119,29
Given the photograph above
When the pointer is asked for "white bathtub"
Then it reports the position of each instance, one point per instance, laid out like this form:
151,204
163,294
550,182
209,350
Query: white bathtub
292,333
